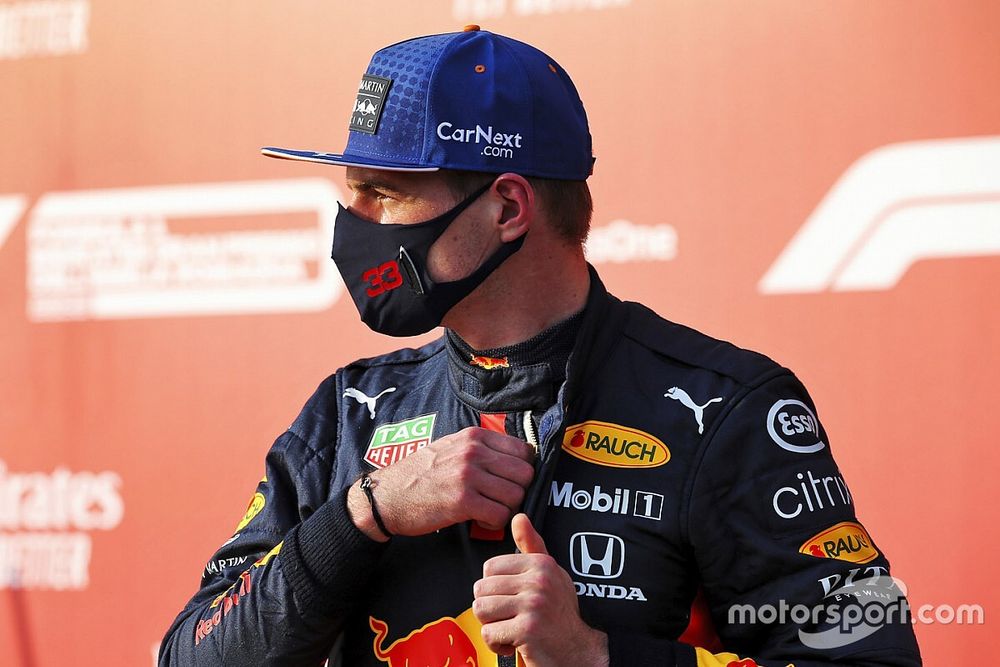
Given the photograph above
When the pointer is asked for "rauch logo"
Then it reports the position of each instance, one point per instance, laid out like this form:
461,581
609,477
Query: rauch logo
847,541
615,446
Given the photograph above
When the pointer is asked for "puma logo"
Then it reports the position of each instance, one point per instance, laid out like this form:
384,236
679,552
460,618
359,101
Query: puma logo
679,394
361,397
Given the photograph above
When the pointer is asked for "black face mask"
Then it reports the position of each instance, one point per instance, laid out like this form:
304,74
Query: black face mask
385,269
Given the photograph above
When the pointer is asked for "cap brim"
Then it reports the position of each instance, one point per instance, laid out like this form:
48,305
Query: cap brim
340,159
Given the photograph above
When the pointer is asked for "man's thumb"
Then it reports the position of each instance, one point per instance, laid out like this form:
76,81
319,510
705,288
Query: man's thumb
526,538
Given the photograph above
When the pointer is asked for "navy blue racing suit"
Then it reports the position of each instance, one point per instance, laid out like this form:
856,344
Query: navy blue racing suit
670,465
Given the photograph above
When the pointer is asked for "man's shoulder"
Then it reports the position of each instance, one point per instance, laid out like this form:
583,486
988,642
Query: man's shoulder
406,356
366,377
692,348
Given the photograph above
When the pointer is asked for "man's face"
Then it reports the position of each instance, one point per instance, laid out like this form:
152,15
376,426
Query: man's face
389,197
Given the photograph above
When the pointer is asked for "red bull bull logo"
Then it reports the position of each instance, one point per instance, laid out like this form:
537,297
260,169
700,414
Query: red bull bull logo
440,643
489,363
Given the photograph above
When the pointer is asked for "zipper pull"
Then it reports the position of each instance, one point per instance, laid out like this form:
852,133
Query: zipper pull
529,431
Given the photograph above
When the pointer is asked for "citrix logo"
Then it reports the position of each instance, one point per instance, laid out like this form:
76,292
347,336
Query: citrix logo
895,206
788,503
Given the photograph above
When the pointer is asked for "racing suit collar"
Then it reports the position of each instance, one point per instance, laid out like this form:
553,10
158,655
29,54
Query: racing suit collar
534,382
523,376
603,321
530,375
512,388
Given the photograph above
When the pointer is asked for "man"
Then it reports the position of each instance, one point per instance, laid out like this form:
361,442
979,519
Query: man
561,473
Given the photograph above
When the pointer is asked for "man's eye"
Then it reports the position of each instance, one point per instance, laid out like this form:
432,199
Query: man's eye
377,195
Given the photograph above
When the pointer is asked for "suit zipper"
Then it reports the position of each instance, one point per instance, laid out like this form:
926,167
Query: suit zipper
529,431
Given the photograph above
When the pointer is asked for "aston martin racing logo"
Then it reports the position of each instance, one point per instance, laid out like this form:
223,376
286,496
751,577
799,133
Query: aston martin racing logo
368,106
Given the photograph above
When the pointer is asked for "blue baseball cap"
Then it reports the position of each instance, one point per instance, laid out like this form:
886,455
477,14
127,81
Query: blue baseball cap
470,100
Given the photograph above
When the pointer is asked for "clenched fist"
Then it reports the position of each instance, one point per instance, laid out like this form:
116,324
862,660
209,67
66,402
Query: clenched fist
472,475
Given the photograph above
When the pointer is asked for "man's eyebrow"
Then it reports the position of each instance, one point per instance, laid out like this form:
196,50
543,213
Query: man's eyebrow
374,184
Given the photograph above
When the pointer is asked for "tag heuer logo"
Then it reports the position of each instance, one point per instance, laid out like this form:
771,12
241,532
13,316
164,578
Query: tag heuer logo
392,442
372,92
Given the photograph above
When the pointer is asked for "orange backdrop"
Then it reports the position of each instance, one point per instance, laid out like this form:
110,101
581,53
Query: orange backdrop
817,180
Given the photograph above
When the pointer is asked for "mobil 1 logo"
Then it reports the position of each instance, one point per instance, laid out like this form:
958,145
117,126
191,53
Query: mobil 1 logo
643,504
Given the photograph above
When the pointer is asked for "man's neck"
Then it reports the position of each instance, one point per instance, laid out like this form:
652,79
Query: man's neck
520,300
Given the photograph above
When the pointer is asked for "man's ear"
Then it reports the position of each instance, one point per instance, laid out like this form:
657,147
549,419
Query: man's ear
517,199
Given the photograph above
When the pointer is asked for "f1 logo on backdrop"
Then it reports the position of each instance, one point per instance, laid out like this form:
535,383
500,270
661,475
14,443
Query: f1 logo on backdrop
895,206
199,249
597,555
11,208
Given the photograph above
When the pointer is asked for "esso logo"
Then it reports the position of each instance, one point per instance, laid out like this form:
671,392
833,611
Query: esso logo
794,427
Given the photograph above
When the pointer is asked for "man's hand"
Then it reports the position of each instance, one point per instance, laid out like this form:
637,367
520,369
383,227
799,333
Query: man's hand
526,602
473,475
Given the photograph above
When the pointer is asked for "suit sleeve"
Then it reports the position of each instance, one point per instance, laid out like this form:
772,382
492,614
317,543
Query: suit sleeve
277,591
789,571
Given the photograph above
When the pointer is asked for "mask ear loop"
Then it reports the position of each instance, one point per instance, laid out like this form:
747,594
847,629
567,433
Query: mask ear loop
411,274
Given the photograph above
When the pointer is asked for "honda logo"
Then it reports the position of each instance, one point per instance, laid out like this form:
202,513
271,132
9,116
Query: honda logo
597,555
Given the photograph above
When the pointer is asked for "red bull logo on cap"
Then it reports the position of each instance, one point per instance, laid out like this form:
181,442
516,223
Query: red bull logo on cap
440,643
